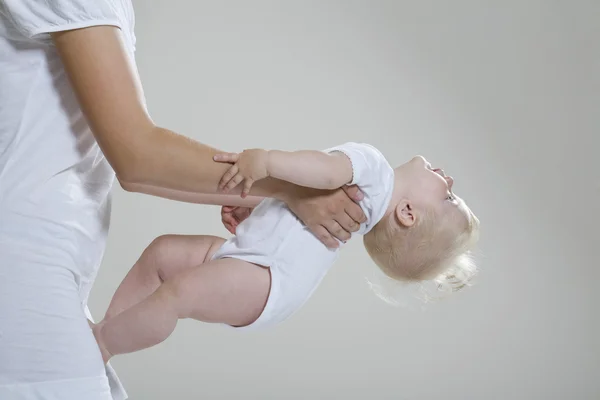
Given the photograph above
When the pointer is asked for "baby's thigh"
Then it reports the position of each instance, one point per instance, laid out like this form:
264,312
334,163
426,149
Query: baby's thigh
227,290
171,254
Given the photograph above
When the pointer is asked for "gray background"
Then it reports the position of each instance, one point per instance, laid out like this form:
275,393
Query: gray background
504,95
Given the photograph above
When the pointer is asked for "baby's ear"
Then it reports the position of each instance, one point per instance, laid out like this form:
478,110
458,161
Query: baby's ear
405,213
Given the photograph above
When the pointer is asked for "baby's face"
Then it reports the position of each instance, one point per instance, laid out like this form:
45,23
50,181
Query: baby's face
426,187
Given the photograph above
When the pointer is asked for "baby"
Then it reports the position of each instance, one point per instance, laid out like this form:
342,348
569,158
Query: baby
416,230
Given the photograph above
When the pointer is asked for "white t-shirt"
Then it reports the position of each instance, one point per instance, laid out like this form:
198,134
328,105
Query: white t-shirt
273,236
54,206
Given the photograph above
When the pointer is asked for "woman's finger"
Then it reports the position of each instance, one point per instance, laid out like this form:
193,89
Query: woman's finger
336,230
353,192
324,236
355,212
347,223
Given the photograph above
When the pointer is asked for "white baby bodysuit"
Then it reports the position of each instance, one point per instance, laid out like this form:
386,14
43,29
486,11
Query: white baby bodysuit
274,237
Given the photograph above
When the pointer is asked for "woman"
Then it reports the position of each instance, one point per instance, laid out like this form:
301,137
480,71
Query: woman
72,117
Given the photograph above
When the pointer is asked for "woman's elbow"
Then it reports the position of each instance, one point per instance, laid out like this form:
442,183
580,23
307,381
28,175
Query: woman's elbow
126,185
127,173
129,176
127,160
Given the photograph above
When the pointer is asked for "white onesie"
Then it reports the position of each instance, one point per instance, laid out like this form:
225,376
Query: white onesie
274,237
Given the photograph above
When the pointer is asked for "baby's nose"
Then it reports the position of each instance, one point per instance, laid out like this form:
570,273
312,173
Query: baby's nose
420,159
450,181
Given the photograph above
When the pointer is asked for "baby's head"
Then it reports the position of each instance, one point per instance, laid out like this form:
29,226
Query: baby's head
427,232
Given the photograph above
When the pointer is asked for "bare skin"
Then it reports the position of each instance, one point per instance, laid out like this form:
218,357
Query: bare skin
174,279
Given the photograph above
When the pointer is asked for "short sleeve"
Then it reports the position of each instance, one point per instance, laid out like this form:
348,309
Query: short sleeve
370,169
373,175
34,17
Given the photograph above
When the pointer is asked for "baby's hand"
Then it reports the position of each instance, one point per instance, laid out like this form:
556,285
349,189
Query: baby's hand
248,167
232,216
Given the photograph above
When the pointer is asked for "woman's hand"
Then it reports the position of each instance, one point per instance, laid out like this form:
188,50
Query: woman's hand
329,215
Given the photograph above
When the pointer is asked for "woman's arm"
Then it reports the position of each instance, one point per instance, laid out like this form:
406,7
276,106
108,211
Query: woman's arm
153,160
198,198
142,154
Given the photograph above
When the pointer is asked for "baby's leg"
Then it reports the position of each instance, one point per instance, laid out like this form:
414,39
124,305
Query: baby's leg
226,291
166,256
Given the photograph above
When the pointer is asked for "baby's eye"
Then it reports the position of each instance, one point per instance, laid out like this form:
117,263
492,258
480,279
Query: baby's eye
450,197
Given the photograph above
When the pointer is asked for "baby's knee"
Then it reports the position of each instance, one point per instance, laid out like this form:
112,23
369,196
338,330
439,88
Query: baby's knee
173,294
162,242
160,248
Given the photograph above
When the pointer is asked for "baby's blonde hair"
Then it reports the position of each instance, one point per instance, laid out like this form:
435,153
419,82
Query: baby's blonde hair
434,248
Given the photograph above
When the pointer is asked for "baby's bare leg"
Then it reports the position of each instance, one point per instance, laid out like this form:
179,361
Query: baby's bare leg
226,291
166,256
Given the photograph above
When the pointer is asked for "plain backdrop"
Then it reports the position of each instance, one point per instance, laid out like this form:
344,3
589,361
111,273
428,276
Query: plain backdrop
504,95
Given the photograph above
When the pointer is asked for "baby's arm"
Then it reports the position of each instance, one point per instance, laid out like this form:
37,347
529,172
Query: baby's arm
309,168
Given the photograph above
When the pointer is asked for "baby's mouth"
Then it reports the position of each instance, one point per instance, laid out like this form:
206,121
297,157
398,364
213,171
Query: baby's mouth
440,172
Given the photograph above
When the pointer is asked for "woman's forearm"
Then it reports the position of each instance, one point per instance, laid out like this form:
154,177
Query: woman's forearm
164,162
144,156
189,197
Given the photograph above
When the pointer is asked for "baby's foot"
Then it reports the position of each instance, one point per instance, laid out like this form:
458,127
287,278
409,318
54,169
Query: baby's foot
96,328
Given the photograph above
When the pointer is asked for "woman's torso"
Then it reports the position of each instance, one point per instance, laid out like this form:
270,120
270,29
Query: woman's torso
55,182
55,188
